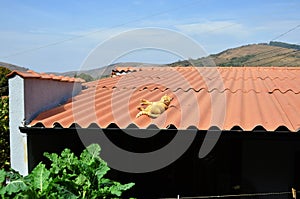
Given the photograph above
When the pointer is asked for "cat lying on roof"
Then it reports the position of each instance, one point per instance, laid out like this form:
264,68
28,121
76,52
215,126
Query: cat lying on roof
154,109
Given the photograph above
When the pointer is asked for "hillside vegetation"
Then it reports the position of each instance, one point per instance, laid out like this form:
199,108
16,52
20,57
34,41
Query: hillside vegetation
12,67
272,54
264,54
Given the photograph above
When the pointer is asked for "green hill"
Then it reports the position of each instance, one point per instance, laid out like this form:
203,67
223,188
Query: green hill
264,54
12,66
272,54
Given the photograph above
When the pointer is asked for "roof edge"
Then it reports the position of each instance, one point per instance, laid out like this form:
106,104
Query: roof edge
256,129
43,76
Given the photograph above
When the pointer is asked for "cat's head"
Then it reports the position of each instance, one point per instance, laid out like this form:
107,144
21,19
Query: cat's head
166,99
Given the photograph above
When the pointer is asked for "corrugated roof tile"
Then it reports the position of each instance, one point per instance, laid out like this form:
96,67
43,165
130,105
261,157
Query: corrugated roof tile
229,97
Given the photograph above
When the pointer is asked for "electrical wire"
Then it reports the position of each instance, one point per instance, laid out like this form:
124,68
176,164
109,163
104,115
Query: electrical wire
281,35
137,20
98,31
274,50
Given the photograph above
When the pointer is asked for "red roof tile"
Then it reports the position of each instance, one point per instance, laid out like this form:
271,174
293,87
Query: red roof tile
124,69
225,97
44,76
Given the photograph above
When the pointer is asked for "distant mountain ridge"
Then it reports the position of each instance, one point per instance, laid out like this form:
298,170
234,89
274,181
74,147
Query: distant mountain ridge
284,45
263,54
272,54
12,67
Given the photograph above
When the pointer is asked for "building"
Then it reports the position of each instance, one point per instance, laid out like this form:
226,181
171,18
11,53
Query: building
229,130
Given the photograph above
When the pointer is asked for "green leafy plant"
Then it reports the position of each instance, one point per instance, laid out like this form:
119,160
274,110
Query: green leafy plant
68,177
4,129
4,133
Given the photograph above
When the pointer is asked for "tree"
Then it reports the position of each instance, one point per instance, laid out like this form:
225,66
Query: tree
4,81
4,121
4,133
86,77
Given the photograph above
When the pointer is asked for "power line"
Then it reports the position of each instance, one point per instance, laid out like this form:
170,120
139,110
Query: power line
137,20
98,31
285,32
274,50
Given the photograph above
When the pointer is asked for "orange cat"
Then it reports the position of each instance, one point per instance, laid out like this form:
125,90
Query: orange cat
154,109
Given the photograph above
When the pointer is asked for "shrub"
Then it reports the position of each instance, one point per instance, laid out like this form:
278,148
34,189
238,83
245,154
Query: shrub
4,126
4,81
4,133
68,177
86,77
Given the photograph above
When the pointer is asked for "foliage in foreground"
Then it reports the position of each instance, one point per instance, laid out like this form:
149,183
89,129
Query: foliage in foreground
4,129
68,177
4,133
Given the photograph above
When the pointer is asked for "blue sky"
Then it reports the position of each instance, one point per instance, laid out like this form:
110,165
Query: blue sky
59,35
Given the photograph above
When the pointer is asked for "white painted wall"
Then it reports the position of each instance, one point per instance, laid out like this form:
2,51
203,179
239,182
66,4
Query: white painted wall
27,98
18,140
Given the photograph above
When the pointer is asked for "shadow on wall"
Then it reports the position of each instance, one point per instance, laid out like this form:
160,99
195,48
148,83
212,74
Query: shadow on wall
239,163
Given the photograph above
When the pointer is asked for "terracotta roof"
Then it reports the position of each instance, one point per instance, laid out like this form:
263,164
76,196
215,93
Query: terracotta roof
124,69
226,97
44,76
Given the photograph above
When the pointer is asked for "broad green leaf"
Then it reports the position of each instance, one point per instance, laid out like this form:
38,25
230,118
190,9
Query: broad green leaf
2,176
94,150
28,194
2,190
101,172
55,167
62,191
13,175
64,163
118,188
91,154
53,156
80,180
68,155
16,186
40,177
